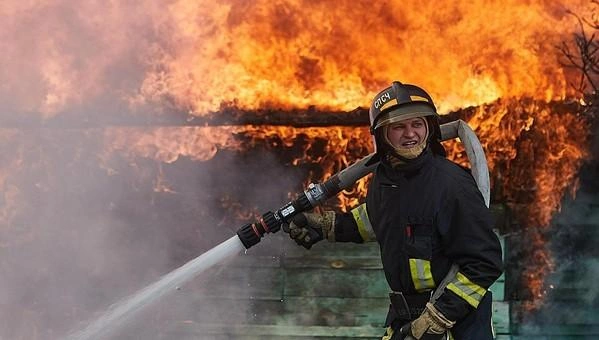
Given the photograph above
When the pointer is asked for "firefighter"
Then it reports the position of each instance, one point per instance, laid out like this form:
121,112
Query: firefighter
438,250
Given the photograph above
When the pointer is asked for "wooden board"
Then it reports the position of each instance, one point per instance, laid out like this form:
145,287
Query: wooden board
332,291
356,283
501,317
193,331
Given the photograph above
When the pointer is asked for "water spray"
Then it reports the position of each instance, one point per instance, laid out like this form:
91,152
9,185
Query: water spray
247,236
122,311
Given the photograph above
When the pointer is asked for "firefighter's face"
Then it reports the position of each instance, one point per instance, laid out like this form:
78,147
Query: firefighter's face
407,133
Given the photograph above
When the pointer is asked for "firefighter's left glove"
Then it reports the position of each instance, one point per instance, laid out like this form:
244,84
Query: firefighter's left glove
430,325
308,228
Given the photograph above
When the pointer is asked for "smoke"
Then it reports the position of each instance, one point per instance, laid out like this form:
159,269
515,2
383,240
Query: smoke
86,232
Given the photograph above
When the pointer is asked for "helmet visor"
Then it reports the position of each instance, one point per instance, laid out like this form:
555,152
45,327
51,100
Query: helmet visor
402,112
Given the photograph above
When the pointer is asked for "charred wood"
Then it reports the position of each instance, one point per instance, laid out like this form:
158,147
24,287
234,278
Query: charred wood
231,116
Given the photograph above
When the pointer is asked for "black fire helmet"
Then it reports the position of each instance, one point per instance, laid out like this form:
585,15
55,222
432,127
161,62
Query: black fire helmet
403,101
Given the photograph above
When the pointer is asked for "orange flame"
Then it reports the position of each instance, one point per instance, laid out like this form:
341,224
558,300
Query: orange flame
534,155
200,55
295,54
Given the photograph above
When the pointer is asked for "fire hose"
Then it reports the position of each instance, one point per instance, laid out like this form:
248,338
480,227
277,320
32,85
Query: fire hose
316,194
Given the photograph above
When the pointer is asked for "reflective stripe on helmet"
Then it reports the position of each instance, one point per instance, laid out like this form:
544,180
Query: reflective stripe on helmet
419,98
364,227
467,290
422,277
388,104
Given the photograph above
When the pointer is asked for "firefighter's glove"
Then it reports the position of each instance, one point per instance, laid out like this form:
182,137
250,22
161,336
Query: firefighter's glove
430,325
308,228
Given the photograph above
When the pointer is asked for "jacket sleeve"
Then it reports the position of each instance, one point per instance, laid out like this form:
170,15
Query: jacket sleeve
354,226
465,225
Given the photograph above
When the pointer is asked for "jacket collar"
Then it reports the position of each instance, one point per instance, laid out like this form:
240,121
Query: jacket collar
407,169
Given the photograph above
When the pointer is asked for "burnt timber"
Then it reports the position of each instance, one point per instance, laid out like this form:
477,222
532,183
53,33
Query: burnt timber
227,116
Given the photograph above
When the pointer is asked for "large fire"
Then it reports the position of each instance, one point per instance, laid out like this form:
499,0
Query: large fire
198,57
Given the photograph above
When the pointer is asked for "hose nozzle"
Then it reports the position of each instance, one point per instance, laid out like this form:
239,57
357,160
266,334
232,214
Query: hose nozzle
251,233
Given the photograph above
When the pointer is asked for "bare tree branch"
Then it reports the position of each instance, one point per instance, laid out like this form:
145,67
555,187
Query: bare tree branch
583,53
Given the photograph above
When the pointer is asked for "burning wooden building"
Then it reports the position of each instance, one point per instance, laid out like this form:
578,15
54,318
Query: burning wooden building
229,109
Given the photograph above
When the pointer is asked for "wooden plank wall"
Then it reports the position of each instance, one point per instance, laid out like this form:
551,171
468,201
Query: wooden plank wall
332,291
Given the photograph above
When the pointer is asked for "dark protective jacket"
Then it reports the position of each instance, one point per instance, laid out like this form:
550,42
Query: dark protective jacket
426,215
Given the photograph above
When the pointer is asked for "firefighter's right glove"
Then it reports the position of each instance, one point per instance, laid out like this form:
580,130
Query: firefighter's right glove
308,228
